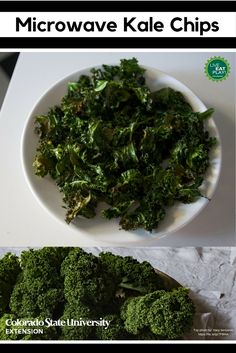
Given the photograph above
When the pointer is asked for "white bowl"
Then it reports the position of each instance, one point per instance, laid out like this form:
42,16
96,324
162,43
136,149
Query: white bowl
98,228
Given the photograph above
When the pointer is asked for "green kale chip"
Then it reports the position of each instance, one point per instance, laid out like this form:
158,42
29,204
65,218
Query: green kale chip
112,140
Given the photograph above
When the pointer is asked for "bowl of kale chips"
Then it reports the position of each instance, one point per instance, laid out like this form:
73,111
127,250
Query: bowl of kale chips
121,153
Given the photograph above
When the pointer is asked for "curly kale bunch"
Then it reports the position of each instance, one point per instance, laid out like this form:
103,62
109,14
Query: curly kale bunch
113,140
86,280
87,297
39,287
166,314
9,271
115,331
76,311
130,275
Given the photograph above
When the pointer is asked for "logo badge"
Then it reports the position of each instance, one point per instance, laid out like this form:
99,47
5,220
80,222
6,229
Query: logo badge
217,69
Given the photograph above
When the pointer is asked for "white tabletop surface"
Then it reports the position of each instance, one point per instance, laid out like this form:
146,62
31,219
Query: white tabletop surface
22,220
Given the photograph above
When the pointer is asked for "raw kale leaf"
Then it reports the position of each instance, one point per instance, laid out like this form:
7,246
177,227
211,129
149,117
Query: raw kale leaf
69,294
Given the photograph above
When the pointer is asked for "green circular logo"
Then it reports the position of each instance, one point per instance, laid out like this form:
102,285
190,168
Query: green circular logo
217,69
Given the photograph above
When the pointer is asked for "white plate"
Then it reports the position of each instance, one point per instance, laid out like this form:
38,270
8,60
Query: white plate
98,228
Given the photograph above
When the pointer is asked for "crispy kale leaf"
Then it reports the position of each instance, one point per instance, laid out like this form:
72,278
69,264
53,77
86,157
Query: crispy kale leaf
113,140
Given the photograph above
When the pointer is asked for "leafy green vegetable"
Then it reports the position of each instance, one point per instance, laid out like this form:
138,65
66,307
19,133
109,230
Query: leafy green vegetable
76,311
115,331
87,297
9,271
131,275
172,314
86,281
39,288
167,314
113,140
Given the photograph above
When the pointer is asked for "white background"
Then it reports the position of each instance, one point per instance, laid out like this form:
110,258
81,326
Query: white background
24,223
226,22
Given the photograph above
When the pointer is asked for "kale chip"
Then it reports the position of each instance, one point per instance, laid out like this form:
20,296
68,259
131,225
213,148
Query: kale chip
112,140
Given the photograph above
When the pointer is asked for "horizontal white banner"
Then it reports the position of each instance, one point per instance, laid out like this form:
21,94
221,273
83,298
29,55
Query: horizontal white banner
117,24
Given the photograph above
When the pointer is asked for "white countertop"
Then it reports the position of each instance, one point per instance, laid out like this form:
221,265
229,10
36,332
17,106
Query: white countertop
22,220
